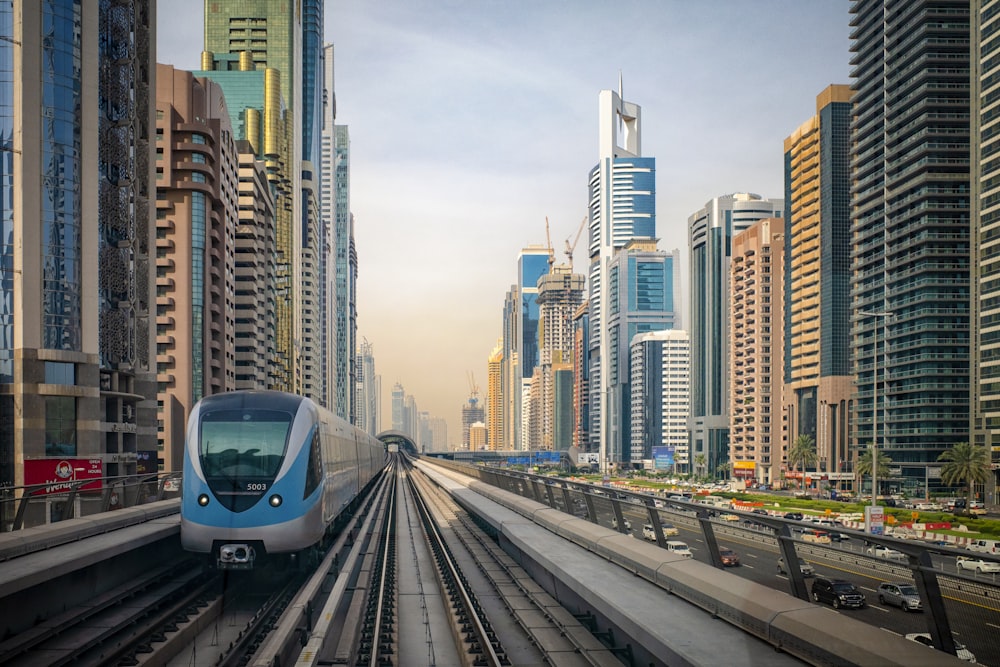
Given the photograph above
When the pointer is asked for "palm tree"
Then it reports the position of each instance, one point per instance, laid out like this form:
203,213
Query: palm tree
699,461
864,466
803,451
965,464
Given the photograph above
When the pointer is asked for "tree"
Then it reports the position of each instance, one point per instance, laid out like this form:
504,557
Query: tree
965,465
803,451
864,466
699,462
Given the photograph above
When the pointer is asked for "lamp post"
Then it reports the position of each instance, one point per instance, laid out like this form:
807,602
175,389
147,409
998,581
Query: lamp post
885,315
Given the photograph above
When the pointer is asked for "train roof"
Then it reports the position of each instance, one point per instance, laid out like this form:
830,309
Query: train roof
253,399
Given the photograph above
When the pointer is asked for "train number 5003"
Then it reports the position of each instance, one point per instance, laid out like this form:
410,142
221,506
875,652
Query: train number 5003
256,486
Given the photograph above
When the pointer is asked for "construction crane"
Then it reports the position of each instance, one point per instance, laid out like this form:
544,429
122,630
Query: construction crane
571,247
548,239
473,389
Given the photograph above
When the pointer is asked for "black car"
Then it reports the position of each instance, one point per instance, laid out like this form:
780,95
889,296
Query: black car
794,516
838,592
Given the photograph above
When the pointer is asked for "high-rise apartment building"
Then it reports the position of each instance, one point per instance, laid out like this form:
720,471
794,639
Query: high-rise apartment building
818,380
439,434
984,428
622,207
398,408
344,274
710,234
910,232
660,364
472,412
581,378
756,359
77,368
509,369
197,178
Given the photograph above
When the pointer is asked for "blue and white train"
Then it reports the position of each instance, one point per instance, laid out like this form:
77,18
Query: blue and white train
265,473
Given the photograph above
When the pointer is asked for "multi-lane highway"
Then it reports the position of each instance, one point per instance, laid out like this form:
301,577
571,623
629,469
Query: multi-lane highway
972,601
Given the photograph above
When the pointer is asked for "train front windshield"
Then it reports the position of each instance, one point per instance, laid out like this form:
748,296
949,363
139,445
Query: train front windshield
241,452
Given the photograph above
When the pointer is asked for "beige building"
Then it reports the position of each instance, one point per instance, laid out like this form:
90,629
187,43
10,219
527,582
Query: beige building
197,171
756,449
817,319
494,397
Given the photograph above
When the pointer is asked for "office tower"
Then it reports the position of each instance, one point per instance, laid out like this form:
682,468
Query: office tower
411,417
756,352
622,207
368,404
494,398
641,295
818,380
283,38
532,264
560,293
984,393
197,180
710,233
910,233
660,397
77,373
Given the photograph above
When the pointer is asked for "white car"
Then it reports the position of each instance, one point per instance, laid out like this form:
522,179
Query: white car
977,565
885,553
679,548
924,638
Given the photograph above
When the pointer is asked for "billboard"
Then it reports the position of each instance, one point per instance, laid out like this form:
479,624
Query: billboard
58,475
588,459
663,458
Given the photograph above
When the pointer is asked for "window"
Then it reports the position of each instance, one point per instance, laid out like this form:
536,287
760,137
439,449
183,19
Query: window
60,426
60,373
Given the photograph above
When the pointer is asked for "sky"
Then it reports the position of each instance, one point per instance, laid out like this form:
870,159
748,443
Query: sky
471,121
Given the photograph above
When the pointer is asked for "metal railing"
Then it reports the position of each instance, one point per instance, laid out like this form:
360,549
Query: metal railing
115,492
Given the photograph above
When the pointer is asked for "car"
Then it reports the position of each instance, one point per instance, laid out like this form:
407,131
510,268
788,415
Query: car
838,592
924,638
900,594
815,536
984,546
805,568
614,523
838,537
679,548
977,564
668,531
729,517
729,557
794,516
885,553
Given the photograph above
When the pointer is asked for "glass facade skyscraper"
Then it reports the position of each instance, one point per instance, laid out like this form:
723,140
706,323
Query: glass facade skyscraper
910,232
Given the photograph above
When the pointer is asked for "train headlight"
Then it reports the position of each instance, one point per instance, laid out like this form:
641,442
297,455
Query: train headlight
203,499
275,500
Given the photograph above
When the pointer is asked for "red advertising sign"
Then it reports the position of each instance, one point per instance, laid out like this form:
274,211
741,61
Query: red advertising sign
58,475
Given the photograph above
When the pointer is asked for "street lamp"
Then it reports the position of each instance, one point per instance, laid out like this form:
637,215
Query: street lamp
885,315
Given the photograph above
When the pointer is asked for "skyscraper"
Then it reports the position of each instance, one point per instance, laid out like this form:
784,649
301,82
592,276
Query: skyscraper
494,398
197,171
910,232
818,380
984,428
77,370
642,295
756,443
710,234
560,293
622,207
532,264
660,395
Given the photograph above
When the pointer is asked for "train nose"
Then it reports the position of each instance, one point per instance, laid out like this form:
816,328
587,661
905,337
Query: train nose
236,553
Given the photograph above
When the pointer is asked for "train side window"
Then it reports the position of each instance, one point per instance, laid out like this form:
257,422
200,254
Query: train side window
314,472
